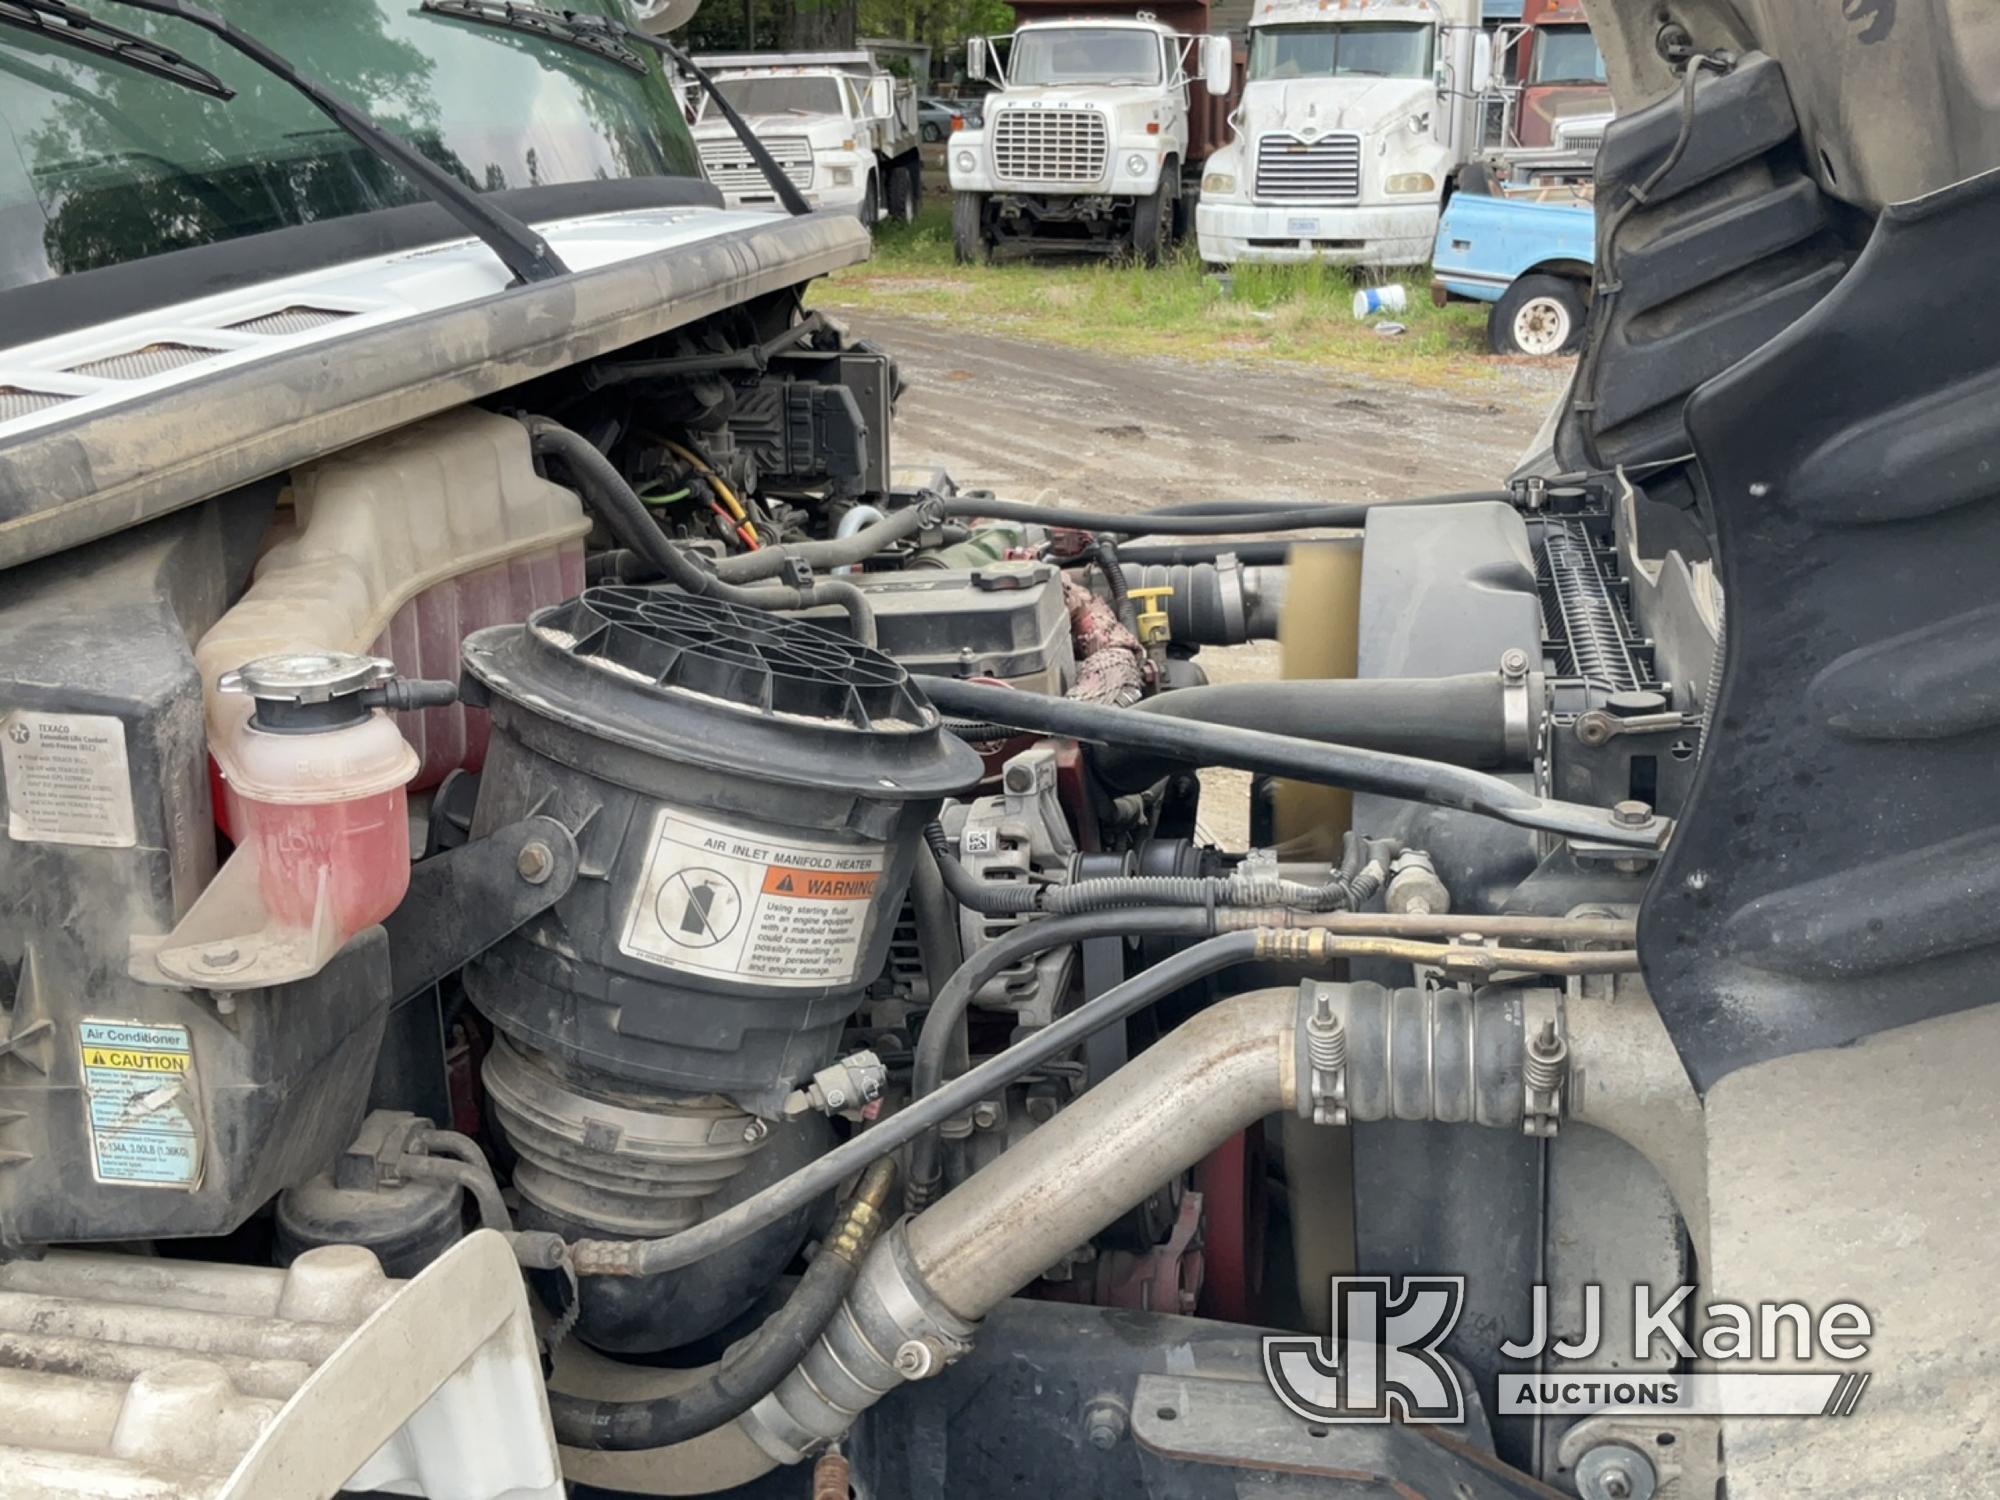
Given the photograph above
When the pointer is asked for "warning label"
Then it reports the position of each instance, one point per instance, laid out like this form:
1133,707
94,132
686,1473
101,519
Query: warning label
140,1084
67,779
717,901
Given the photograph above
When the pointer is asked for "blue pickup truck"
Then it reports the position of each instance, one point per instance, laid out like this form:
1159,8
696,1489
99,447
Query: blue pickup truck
1529,257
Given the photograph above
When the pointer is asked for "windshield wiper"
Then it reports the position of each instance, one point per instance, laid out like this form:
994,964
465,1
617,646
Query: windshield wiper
535,20
520,249
594,34
66,26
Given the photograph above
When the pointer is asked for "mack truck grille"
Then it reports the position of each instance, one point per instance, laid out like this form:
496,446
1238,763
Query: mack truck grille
1050,145
1327,170
730,168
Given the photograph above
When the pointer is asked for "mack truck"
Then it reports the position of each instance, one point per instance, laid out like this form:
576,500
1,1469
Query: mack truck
1094,136
844,130
1354,123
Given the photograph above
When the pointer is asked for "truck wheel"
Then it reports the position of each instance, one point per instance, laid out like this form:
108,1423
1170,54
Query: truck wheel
1153,225
870,208
968,229
903,193
1538,315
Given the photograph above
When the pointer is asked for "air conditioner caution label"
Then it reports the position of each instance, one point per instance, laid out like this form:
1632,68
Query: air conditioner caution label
139,1082
717,901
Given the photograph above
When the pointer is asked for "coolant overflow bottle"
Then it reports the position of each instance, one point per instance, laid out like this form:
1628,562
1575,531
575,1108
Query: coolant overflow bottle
316,783
316,779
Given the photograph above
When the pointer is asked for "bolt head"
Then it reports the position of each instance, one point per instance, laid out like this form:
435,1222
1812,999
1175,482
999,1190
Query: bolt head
985,1114
755,1131
1633,814
914,1360
1514,661
535,863
221,957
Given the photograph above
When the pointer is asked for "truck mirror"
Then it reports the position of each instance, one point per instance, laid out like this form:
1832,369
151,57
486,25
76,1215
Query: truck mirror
881,97
1217,64
975,59
1482,63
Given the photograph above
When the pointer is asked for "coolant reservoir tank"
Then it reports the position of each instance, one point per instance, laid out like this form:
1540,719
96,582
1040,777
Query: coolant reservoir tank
316,780
317,784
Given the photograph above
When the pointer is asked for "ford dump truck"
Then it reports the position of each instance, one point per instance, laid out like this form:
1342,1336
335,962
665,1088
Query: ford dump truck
844,130
1093,138
1355,119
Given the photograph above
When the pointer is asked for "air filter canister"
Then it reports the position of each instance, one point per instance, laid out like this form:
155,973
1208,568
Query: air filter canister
748,794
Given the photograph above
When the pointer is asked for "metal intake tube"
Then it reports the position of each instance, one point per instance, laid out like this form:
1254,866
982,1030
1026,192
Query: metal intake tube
929,1282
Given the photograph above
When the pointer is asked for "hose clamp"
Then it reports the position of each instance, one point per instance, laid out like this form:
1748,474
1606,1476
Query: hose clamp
1517,705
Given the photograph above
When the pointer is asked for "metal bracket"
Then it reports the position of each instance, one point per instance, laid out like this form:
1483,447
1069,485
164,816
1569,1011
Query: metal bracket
464,901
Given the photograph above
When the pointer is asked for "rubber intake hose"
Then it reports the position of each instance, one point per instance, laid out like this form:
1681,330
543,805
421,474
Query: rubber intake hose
1246,517
614,502
1460,720
1451,1055
744,1377
1219,603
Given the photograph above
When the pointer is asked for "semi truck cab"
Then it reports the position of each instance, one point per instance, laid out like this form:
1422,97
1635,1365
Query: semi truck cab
1352,125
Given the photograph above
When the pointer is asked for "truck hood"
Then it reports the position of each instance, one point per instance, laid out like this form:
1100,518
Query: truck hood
763,126
1318,105
214,405
1073,96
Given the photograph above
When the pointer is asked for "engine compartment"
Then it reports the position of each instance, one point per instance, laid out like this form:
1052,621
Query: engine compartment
742,850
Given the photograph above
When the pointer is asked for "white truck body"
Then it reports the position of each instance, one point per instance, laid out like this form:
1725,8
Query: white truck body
844,131
1353,123
1089,121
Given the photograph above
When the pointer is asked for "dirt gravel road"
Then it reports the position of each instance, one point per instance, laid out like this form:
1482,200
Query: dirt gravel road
1037,423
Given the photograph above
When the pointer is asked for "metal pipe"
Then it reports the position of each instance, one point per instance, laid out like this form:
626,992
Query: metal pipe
917,1301
1144,1125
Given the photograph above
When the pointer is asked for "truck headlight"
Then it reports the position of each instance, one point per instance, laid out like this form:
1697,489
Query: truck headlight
1411,182
1135,165
844,177
1219,182
967,161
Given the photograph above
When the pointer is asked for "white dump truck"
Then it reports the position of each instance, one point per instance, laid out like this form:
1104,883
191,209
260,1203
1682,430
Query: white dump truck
1353,124
1094,138
844,130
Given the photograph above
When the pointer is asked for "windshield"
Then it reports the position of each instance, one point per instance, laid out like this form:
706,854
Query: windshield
101,164
1340,51
1567,54
782,96
1084,54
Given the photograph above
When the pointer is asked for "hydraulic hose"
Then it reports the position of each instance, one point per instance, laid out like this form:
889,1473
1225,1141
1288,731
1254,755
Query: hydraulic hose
839,552
1461,720
746,1375
1363,770
1219,520
614,501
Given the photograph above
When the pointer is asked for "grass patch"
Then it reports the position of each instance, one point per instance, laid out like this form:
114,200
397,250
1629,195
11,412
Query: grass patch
1302,314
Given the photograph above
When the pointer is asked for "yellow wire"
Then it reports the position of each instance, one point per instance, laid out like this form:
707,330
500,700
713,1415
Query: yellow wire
721,488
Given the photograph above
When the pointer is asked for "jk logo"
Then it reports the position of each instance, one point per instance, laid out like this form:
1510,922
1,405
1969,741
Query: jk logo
1381,1361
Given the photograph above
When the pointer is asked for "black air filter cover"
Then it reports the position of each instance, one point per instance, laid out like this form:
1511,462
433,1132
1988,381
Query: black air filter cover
747,791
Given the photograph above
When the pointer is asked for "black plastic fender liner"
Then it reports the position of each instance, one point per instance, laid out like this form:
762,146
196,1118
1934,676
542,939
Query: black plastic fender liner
1837,867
